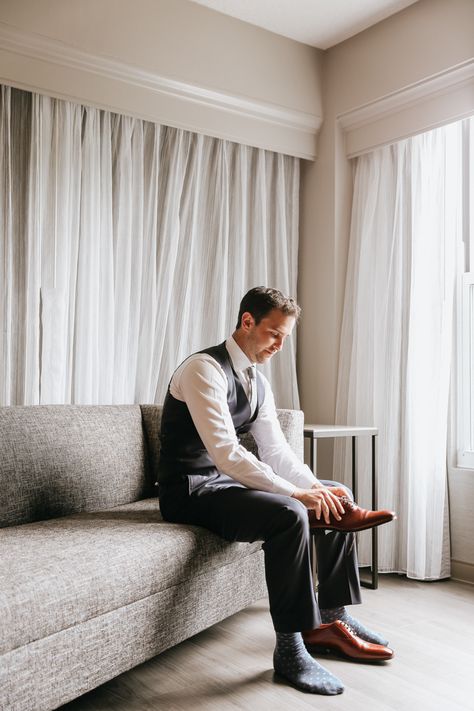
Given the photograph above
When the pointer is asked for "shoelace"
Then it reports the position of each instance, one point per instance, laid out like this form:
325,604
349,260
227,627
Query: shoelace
347,502
352,631
348,627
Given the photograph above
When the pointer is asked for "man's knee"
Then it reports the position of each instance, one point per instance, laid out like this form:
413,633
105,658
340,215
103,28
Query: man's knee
293,514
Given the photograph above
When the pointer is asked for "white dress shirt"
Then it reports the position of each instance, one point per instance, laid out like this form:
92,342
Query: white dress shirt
201,383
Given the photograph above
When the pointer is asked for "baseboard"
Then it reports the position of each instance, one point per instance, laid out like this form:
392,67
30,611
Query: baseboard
462,571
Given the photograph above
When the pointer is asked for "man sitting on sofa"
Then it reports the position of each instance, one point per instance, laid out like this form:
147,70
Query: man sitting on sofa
207,478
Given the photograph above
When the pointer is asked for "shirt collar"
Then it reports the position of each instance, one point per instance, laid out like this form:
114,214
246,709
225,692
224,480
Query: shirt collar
239,360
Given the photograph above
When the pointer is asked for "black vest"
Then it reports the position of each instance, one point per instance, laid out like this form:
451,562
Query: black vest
182,450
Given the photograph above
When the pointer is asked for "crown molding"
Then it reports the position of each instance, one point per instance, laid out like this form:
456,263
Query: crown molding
302,126
439,99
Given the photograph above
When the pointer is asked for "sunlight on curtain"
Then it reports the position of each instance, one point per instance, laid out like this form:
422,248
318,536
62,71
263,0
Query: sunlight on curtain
126,246
397,339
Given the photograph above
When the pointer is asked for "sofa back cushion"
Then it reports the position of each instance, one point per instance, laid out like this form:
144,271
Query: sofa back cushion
61,459
291,422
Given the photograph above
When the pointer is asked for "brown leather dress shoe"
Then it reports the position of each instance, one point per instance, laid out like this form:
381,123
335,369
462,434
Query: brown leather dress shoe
355,518
338,638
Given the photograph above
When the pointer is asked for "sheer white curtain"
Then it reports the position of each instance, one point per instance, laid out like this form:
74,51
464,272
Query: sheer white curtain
397,338
126,246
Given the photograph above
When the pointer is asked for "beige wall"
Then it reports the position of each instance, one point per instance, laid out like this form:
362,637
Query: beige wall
426,38
182,40
176,40
461,500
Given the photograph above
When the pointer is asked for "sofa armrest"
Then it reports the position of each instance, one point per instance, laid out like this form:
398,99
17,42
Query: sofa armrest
292,425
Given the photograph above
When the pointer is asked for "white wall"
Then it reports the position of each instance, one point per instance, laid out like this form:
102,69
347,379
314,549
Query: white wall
423,40
171,61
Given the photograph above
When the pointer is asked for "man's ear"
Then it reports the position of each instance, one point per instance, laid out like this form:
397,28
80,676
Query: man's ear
247,321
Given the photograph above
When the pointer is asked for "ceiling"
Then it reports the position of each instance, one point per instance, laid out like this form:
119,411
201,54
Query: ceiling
320,23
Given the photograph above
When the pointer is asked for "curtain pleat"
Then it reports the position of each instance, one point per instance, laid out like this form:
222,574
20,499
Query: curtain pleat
126,246
397,340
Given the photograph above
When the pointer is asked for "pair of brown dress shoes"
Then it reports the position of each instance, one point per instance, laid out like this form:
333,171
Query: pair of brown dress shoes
337,637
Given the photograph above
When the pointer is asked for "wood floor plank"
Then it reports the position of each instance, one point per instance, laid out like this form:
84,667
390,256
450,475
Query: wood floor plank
228,667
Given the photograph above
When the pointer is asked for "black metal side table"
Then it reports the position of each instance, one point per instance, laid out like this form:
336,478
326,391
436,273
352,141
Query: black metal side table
315,432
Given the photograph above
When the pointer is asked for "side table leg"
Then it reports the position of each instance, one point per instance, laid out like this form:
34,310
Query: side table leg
354,468
313,456
375,556
373,582
313,464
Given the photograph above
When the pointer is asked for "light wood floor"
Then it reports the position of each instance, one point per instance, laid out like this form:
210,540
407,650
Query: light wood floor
430,626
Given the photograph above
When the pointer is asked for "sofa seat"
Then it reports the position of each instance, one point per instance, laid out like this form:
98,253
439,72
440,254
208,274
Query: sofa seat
61,572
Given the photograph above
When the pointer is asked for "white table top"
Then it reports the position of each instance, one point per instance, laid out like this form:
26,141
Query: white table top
318,431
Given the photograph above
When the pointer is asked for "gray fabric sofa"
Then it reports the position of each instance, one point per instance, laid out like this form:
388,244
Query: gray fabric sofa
92,580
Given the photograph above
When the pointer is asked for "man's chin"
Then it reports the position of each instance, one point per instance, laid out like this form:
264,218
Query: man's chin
264,356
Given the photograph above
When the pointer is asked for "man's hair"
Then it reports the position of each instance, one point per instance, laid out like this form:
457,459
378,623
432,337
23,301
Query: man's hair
260,300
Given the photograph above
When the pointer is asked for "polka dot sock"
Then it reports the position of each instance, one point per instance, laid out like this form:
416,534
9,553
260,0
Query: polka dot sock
340,613
292,661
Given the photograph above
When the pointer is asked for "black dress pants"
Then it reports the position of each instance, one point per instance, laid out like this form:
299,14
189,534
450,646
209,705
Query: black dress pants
281,522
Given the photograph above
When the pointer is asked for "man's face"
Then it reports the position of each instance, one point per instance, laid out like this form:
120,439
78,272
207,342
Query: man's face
265,339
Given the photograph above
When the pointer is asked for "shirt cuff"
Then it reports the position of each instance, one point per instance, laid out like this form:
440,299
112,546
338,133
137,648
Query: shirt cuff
284,487
307,478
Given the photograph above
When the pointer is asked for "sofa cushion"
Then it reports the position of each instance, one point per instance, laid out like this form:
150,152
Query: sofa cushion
61,459
64,571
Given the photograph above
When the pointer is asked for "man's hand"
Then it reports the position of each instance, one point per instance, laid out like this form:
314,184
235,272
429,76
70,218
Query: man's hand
322,499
